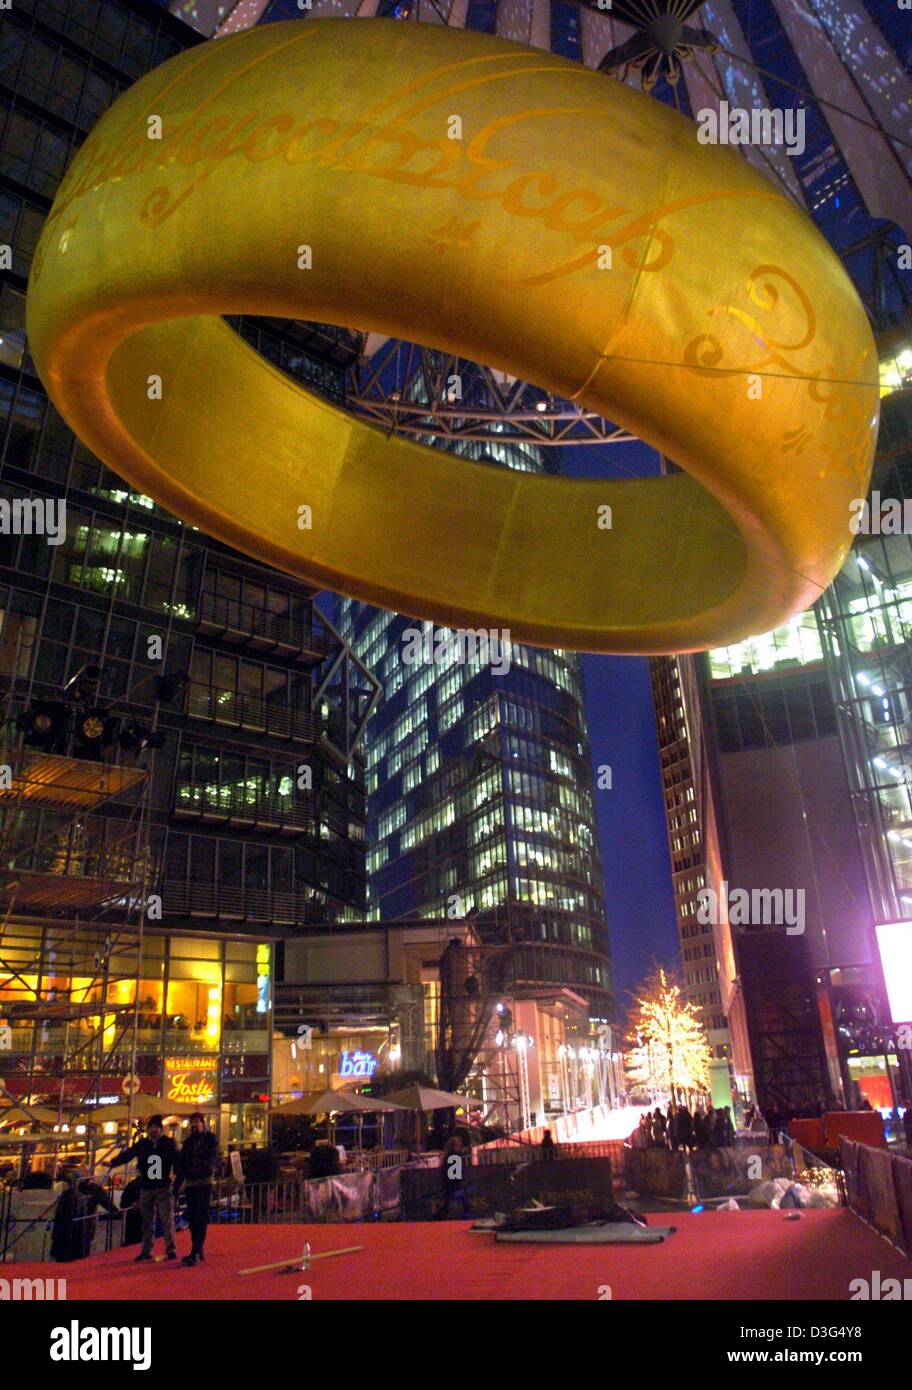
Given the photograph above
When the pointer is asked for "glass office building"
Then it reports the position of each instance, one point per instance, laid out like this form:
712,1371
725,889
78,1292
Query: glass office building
866,625
865,620
480,789
706,949
811,772
248,822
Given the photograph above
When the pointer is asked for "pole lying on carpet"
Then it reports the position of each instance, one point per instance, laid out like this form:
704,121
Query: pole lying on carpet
302,1261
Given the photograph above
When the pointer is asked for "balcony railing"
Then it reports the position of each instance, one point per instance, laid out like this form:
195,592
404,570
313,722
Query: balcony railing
238,806
250,712
259,627
233,903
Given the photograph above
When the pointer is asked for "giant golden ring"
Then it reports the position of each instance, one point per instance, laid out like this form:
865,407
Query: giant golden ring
496,202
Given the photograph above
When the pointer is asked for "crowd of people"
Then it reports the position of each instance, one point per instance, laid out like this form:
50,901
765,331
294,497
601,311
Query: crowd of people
677,1127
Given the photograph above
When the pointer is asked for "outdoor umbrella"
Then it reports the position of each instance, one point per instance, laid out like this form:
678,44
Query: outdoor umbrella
425,1098
143,1107
417,1097
32,1114
330,1102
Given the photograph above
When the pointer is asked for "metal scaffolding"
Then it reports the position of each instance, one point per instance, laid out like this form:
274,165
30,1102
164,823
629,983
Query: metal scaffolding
75,868
477,1047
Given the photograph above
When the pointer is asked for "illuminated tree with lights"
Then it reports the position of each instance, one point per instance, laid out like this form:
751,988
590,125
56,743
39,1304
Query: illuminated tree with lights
668,1051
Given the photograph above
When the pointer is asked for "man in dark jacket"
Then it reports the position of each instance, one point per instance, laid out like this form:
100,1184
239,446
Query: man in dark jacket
156,1157
723,1129
198,1159
683,1129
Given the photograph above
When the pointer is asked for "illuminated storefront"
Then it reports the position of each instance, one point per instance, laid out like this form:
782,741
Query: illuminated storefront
339,1058
203,1023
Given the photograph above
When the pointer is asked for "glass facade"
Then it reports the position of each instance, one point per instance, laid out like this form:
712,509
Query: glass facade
865,624
843,668
250,821
796,643
204,1021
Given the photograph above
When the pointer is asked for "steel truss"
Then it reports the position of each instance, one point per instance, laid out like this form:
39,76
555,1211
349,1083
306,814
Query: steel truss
417,391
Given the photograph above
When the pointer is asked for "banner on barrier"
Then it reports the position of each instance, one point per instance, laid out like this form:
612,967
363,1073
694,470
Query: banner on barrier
902,1180
387,1189
348,1198
656,1172
876,1165
733,1172
583,1183
879,1190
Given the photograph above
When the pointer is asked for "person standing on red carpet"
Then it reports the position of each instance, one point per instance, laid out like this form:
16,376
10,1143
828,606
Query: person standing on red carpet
156,1156
196,1165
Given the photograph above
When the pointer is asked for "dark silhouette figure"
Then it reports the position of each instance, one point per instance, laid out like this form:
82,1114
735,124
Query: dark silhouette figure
196,1165
74,1225
453,1176
324,1160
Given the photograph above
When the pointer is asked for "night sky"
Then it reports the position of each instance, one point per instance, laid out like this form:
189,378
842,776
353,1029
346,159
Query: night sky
631,817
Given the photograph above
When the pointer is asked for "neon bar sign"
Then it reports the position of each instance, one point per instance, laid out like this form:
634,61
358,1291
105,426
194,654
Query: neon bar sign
357,1064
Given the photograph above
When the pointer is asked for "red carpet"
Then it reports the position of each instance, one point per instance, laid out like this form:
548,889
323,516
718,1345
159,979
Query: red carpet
715,1255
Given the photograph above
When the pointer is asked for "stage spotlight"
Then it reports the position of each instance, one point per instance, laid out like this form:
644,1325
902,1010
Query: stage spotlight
136,737
93,730
81,688
46,725
171,686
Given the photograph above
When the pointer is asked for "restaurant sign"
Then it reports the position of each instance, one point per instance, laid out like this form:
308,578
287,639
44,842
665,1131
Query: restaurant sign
190,1079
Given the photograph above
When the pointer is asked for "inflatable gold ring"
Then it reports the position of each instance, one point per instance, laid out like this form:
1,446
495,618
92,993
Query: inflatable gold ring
495,202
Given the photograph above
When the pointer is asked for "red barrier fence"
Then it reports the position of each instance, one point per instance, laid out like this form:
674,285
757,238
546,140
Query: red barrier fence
861,1126
879,1189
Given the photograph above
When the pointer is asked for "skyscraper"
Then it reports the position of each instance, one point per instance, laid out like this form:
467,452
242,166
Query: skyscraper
480,802
865,621
786,828
706,948
802,738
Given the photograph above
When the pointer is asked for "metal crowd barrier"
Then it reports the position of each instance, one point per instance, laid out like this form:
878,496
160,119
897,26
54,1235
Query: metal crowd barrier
879,1190
506,1151
26,1218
